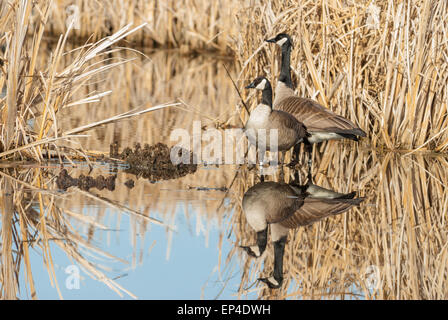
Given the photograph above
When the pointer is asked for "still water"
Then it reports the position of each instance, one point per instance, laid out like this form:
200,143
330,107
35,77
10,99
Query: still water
180,238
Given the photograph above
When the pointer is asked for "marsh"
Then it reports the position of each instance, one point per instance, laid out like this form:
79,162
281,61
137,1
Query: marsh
91,207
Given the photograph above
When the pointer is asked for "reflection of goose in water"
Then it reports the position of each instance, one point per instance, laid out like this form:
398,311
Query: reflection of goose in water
287,206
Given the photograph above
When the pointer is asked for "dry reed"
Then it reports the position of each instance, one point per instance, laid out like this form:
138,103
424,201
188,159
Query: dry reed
192,25
38,91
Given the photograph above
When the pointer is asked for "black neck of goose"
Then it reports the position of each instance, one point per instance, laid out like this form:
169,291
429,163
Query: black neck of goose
279,251
285,74
262,240
266,97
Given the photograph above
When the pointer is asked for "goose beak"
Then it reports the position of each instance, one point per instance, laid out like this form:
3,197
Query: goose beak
272,282
246,248
250,86
249,251
270,40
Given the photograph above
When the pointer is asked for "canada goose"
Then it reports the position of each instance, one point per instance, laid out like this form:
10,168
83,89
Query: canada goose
289,130
287,206
321,123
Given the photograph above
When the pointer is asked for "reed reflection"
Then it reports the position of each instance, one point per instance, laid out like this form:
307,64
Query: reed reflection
35,216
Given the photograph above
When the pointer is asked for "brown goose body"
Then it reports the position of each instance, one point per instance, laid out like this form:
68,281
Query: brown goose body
319,204
270,202
292,206
289,130
321,123
263,119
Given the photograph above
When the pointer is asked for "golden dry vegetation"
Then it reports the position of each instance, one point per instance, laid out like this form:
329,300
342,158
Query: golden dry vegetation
382,64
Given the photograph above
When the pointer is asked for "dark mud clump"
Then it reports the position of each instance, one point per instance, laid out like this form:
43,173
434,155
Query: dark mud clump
65,181
154,162
129,183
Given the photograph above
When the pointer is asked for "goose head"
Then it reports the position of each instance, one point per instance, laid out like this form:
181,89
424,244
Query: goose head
253,251
282,39
260,83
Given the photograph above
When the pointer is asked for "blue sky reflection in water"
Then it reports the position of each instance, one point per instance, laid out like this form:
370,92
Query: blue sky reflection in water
190,272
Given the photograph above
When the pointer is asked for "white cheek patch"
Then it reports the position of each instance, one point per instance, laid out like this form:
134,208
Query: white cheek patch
273,281
256,250
281,41
261,85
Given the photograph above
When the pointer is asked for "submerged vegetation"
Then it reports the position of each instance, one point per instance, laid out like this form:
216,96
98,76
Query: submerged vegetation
381,64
